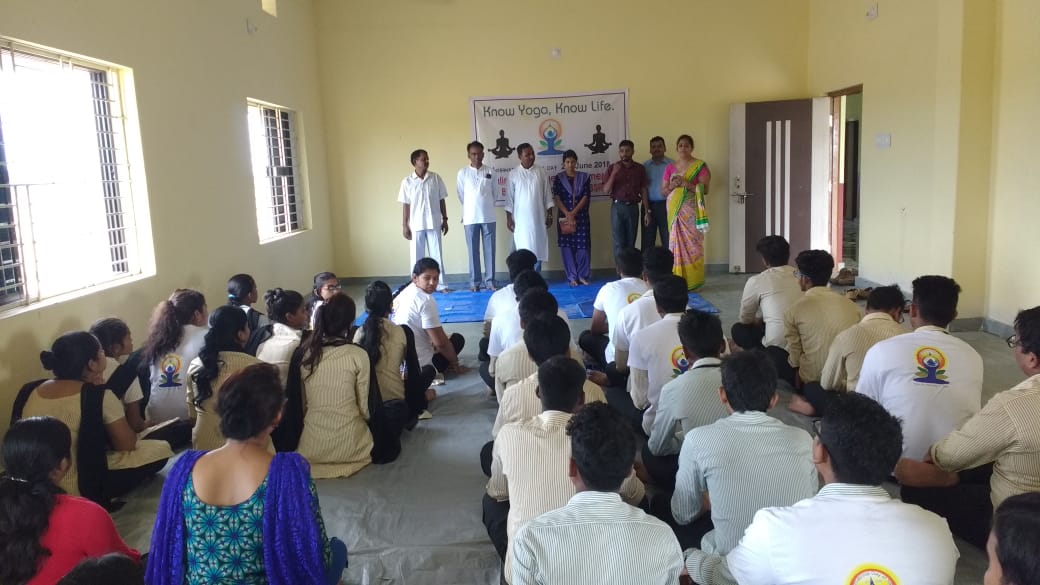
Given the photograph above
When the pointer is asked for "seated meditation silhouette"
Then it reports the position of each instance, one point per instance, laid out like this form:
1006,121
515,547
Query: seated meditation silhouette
599,142
502,148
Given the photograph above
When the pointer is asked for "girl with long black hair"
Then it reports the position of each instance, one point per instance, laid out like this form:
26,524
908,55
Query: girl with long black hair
242,293
44,532
175,336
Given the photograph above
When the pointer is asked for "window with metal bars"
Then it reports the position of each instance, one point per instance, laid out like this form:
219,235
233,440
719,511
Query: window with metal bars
272,141
66,207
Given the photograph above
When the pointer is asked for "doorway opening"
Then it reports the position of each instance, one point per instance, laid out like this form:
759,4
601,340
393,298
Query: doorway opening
846,143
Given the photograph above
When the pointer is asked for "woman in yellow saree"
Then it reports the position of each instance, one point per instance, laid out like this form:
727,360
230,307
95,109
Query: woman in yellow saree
685,183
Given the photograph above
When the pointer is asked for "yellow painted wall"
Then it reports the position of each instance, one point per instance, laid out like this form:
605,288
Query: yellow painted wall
398,76
926,70
1013,274
194,65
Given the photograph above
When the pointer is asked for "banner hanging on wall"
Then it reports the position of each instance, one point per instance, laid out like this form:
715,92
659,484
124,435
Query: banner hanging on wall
591,124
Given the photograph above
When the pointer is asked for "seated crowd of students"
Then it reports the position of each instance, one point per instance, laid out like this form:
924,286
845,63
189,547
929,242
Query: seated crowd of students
647,455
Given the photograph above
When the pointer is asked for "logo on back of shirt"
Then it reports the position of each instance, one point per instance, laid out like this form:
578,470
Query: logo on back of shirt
931,366
170,371
633,297
679,362
872,575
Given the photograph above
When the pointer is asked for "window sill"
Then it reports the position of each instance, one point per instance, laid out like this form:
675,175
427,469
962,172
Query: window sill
284,236
70,296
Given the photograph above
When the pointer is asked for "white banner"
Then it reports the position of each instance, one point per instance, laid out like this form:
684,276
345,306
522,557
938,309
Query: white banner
590,124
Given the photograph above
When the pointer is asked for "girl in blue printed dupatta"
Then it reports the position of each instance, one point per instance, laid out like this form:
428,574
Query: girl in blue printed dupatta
685,183
571,192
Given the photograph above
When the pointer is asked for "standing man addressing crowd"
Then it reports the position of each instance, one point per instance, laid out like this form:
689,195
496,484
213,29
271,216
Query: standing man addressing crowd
626,183
425,216
655,208
529,203
476,189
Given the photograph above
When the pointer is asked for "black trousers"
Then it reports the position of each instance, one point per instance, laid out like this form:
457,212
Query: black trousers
620,400
482,353
688,535
496,517
486,453
784,371
966,506
458,342
658,225
662,468
119,482
595,344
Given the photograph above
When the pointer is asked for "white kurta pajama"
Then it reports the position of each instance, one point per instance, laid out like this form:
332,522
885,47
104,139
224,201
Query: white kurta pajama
528,196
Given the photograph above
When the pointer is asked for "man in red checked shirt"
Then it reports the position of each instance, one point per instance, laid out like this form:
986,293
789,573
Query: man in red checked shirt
626,183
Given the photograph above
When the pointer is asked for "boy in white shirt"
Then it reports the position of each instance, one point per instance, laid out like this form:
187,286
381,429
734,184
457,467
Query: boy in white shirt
425,216
610,299
657,354
476,188
502,300
852,531
416,308
767,295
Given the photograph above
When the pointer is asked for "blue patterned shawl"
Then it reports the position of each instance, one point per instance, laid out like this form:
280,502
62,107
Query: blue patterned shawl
294,552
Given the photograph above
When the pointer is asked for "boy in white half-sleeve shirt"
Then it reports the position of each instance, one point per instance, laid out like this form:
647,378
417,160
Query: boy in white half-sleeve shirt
425,217
657,354
475,185
530,460
852,531
610,299
501,301
596,537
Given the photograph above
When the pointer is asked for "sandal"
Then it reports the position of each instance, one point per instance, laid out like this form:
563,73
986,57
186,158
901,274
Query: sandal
845,277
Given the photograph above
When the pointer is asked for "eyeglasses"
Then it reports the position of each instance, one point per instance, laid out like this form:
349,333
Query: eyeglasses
332,287
1012,341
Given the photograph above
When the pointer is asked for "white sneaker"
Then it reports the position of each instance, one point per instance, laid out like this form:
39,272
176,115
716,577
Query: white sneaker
425,415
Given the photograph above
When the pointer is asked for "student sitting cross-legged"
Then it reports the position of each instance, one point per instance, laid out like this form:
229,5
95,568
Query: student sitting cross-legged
544,338
175,336
222,354
596,537
730,469
611,298
275,342
241,294
328,400
689,401
515,363
259,510
531,458
108,459
44,532
504,298
507,329
415,307
852,531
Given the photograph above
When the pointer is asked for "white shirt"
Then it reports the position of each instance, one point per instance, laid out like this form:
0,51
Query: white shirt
528,195
687,402
657,351
169,377
613,297
520,401
767,296
506,331
842,535
476,189
596,538
929,379
424,198
529,466
501,301
639,314
133,392
278,349
418,310
515,363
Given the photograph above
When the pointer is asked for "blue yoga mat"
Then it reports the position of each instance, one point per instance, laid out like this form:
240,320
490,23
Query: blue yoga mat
465,307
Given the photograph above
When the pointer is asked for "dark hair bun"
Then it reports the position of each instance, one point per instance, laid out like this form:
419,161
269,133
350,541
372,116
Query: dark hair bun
47,359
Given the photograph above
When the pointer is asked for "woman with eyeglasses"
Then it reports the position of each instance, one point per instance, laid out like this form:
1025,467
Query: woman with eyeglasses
326,284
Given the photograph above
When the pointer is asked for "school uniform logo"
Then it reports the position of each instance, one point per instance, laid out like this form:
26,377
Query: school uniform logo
170,371
872,575
632,297
931,366
679,362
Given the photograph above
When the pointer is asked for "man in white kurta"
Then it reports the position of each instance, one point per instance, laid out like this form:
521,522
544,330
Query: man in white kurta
528,203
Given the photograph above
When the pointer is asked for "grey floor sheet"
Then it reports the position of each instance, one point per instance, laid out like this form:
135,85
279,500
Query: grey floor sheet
417,521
